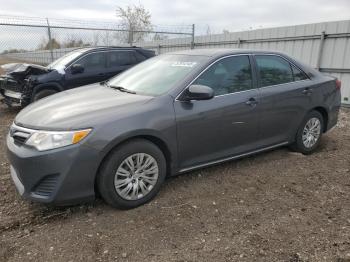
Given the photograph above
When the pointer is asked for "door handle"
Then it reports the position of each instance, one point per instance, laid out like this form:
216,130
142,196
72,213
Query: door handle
101,74
251,102
307,91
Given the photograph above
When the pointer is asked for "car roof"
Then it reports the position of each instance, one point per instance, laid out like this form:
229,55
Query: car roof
102,48
222,52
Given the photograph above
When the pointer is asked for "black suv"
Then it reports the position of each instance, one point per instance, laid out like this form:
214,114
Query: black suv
26,83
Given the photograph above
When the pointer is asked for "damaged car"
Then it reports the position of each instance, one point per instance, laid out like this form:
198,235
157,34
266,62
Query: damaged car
23,84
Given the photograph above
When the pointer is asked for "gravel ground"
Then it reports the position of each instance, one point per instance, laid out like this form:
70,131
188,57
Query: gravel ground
275,206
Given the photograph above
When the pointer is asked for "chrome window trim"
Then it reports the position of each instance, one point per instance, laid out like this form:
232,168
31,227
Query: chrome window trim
238,92
264,87
288,61
205,69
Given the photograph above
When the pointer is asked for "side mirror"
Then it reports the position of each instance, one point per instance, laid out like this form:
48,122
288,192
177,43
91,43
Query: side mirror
77,69
198,92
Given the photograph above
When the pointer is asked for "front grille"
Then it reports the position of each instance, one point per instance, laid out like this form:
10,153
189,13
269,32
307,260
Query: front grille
19,137
46,186
10,84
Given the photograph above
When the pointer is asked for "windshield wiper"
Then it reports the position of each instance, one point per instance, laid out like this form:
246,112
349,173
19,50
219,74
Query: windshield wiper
121,89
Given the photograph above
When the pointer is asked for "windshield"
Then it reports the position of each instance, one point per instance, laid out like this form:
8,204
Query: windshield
61,62
157,75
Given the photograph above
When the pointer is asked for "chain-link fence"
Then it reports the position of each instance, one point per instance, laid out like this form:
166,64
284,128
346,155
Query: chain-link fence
42,40
325,46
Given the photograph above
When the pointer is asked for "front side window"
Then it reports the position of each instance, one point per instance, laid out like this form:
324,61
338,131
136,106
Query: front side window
229,75
63,61
273,70
93,61
121,58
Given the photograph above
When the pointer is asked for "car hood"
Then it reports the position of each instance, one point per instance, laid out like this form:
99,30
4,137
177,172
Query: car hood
19,70
82,107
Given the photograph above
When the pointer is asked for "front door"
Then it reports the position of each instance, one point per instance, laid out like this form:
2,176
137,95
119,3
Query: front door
94,65
224,126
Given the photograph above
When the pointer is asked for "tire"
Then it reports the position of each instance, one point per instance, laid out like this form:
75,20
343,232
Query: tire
111,185
44,93
301,143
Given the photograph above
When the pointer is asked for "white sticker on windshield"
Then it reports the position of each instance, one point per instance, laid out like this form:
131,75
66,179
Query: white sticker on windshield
185,64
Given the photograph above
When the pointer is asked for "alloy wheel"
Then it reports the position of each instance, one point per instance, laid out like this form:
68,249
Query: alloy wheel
136,176
311,132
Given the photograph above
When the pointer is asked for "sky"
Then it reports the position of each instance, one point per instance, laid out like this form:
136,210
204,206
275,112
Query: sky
233,15
208,16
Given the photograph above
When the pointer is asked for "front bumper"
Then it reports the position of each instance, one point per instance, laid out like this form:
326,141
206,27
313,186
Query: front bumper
10,97
11,90
61,176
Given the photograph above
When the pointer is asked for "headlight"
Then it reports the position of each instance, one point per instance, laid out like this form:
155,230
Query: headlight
46,140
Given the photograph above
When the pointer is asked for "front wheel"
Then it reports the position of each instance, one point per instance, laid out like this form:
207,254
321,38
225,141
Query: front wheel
132,174
309,133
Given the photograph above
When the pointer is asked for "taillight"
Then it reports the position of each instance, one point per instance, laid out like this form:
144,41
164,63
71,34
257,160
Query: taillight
338,84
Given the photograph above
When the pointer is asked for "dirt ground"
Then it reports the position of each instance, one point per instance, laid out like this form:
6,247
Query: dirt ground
276,206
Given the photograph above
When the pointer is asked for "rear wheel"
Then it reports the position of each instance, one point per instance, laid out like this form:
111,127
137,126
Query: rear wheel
132,174
43,93
309,133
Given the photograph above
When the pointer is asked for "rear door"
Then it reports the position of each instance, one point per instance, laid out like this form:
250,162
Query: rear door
94,70
119,61
225,125
285,97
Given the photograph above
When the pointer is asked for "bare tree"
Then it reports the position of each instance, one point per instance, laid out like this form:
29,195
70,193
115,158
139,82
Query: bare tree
136,20
159,37
45,44
73,40
96,38
208,30
106,38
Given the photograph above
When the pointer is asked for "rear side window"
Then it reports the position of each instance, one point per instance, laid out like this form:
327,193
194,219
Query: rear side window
273,70
93,61
121,58
229,75
140,57
298,74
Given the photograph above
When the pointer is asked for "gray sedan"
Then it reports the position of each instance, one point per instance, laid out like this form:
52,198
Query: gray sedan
168,115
